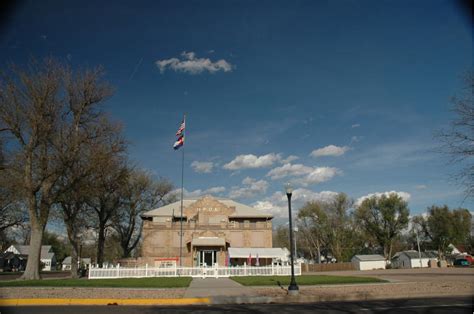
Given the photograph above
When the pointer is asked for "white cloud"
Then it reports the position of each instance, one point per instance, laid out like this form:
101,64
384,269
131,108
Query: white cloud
289,170
356,139
192,65
308,175
318,175
202,166
289,159
404,195
355,125
251,161
421,187
215,190
330,150
277,204
197,193
251,188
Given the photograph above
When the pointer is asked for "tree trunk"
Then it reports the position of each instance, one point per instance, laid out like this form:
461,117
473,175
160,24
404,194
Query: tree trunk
390,251
34,255
74,260
101,244
75,249
318,247
386,251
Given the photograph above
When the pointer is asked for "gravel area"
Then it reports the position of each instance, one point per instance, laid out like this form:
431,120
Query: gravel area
404,283
79,293
375,291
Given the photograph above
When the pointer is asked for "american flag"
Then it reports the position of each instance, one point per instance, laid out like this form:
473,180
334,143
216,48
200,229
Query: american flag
181,128
179,142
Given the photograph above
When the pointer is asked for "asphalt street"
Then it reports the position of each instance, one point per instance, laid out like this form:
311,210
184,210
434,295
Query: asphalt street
449,305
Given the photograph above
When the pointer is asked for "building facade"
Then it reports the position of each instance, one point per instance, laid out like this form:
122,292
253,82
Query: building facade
368,262
210,227
47,258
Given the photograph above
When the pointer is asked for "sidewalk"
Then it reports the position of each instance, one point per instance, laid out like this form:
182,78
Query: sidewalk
216,287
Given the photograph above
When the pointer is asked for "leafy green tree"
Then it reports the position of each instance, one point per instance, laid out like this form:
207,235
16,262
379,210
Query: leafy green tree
311,221
329,224
444,226
281,237
383,218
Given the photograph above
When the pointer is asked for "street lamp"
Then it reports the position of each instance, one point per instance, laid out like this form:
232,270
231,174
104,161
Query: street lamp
293,287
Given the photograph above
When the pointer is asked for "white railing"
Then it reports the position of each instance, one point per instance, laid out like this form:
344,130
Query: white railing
203,272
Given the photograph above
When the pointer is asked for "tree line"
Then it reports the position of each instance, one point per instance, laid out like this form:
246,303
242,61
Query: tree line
378,225
63,157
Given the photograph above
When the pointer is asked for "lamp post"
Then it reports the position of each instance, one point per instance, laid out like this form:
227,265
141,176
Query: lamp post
293,287
418,243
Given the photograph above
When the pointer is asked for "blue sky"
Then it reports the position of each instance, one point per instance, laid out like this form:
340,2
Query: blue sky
351,91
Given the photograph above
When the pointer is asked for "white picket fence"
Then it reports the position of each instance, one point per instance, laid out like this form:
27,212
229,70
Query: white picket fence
203,272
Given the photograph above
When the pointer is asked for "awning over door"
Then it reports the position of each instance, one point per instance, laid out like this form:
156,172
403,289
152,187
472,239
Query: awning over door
208,241
260,252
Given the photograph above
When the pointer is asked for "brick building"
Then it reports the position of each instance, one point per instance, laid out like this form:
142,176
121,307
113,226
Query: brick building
210,227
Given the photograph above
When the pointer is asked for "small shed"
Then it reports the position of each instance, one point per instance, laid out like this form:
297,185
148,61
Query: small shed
411,259
368,262
66,264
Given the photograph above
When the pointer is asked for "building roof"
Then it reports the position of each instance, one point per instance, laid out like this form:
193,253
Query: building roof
275,252
369,258
174,209
67,260
412,254
208,241
46,252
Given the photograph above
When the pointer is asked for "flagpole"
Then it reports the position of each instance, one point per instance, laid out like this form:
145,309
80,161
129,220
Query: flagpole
182,193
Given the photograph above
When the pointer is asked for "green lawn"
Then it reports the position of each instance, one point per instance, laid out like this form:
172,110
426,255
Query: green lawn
159,282
303,280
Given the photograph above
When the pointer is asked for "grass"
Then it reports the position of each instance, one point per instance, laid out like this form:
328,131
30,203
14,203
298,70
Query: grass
303,280
159,282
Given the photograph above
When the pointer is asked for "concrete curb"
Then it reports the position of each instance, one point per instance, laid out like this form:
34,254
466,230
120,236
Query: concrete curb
206,301
53,301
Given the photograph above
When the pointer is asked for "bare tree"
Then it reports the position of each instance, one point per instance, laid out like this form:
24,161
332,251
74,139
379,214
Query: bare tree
458,140
46,110
105,197
73,206
140,193
11,209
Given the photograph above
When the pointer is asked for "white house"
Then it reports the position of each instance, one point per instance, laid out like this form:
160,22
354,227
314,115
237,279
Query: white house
368,262
47,256
66,264
411,259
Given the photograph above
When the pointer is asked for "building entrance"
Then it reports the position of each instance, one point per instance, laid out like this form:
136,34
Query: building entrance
207,258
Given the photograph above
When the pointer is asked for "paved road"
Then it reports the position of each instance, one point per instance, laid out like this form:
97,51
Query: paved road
429,305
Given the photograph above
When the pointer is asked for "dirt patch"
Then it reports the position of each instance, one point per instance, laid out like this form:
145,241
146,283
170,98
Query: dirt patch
89,293
374,291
